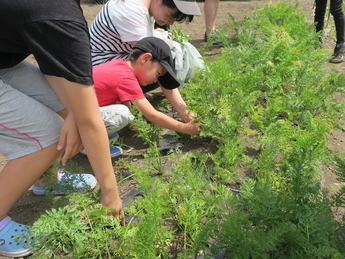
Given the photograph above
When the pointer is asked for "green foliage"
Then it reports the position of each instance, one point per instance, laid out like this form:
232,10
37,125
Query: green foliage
83,229
153,236
184,138
265,224
269,90
271,77
178,36
338,198
150,133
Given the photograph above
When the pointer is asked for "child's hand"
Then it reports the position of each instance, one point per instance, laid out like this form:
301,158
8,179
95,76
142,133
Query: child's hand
116,204
188,116
193,128
132,128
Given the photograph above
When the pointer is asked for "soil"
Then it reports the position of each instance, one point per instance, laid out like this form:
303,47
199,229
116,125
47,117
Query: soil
30,207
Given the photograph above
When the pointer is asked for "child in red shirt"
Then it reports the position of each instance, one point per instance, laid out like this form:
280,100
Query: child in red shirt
118,86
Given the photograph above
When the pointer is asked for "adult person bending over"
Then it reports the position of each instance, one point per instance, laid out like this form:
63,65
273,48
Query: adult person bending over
121,23
33,132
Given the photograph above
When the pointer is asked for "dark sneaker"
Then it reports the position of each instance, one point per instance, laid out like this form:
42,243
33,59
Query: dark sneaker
214,38
339,53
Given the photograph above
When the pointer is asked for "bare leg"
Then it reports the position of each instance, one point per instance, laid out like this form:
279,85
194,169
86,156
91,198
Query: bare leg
51,178
210,13
19,174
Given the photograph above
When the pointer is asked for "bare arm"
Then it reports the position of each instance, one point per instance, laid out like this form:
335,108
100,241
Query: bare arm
84,115
176,100
165,121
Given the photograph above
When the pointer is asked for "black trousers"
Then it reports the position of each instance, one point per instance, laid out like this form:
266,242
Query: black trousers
337,12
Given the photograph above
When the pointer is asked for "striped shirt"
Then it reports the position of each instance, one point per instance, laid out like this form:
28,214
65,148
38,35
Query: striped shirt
117,24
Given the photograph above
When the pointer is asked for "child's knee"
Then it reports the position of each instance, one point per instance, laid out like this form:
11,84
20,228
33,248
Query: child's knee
116,117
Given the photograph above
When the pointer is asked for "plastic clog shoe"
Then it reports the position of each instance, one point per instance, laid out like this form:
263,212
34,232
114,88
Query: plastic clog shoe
9,246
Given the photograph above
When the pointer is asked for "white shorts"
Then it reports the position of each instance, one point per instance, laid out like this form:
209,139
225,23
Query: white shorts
28,106
115,117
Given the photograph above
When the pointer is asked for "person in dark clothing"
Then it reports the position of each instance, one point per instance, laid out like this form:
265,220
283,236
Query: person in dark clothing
336,9
49,111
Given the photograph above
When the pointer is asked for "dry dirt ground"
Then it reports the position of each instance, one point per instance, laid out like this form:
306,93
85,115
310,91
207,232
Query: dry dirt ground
30,207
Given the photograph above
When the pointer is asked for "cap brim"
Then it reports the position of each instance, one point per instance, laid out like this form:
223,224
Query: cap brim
169,79
189,7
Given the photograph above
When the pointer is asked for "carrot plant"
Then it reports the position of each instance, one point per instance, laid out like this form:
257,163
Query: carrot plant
150,134
272,78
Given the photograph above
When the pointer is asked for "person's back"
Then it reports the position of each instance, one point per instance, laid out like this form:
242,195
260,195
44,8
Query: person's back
117,25
115,82
22,26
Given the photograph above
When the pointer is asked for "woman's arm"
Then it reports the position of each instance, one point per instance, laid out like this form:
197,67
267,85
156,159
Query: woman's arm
84,115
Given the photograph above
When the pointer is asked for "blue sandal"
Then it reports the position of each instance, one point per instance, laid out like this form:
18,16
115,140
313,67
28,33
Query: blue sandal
8,245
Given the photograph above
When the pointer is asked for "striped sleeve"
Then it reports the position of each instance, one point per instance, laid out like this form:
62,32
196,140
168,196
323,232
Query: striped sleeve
106,43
